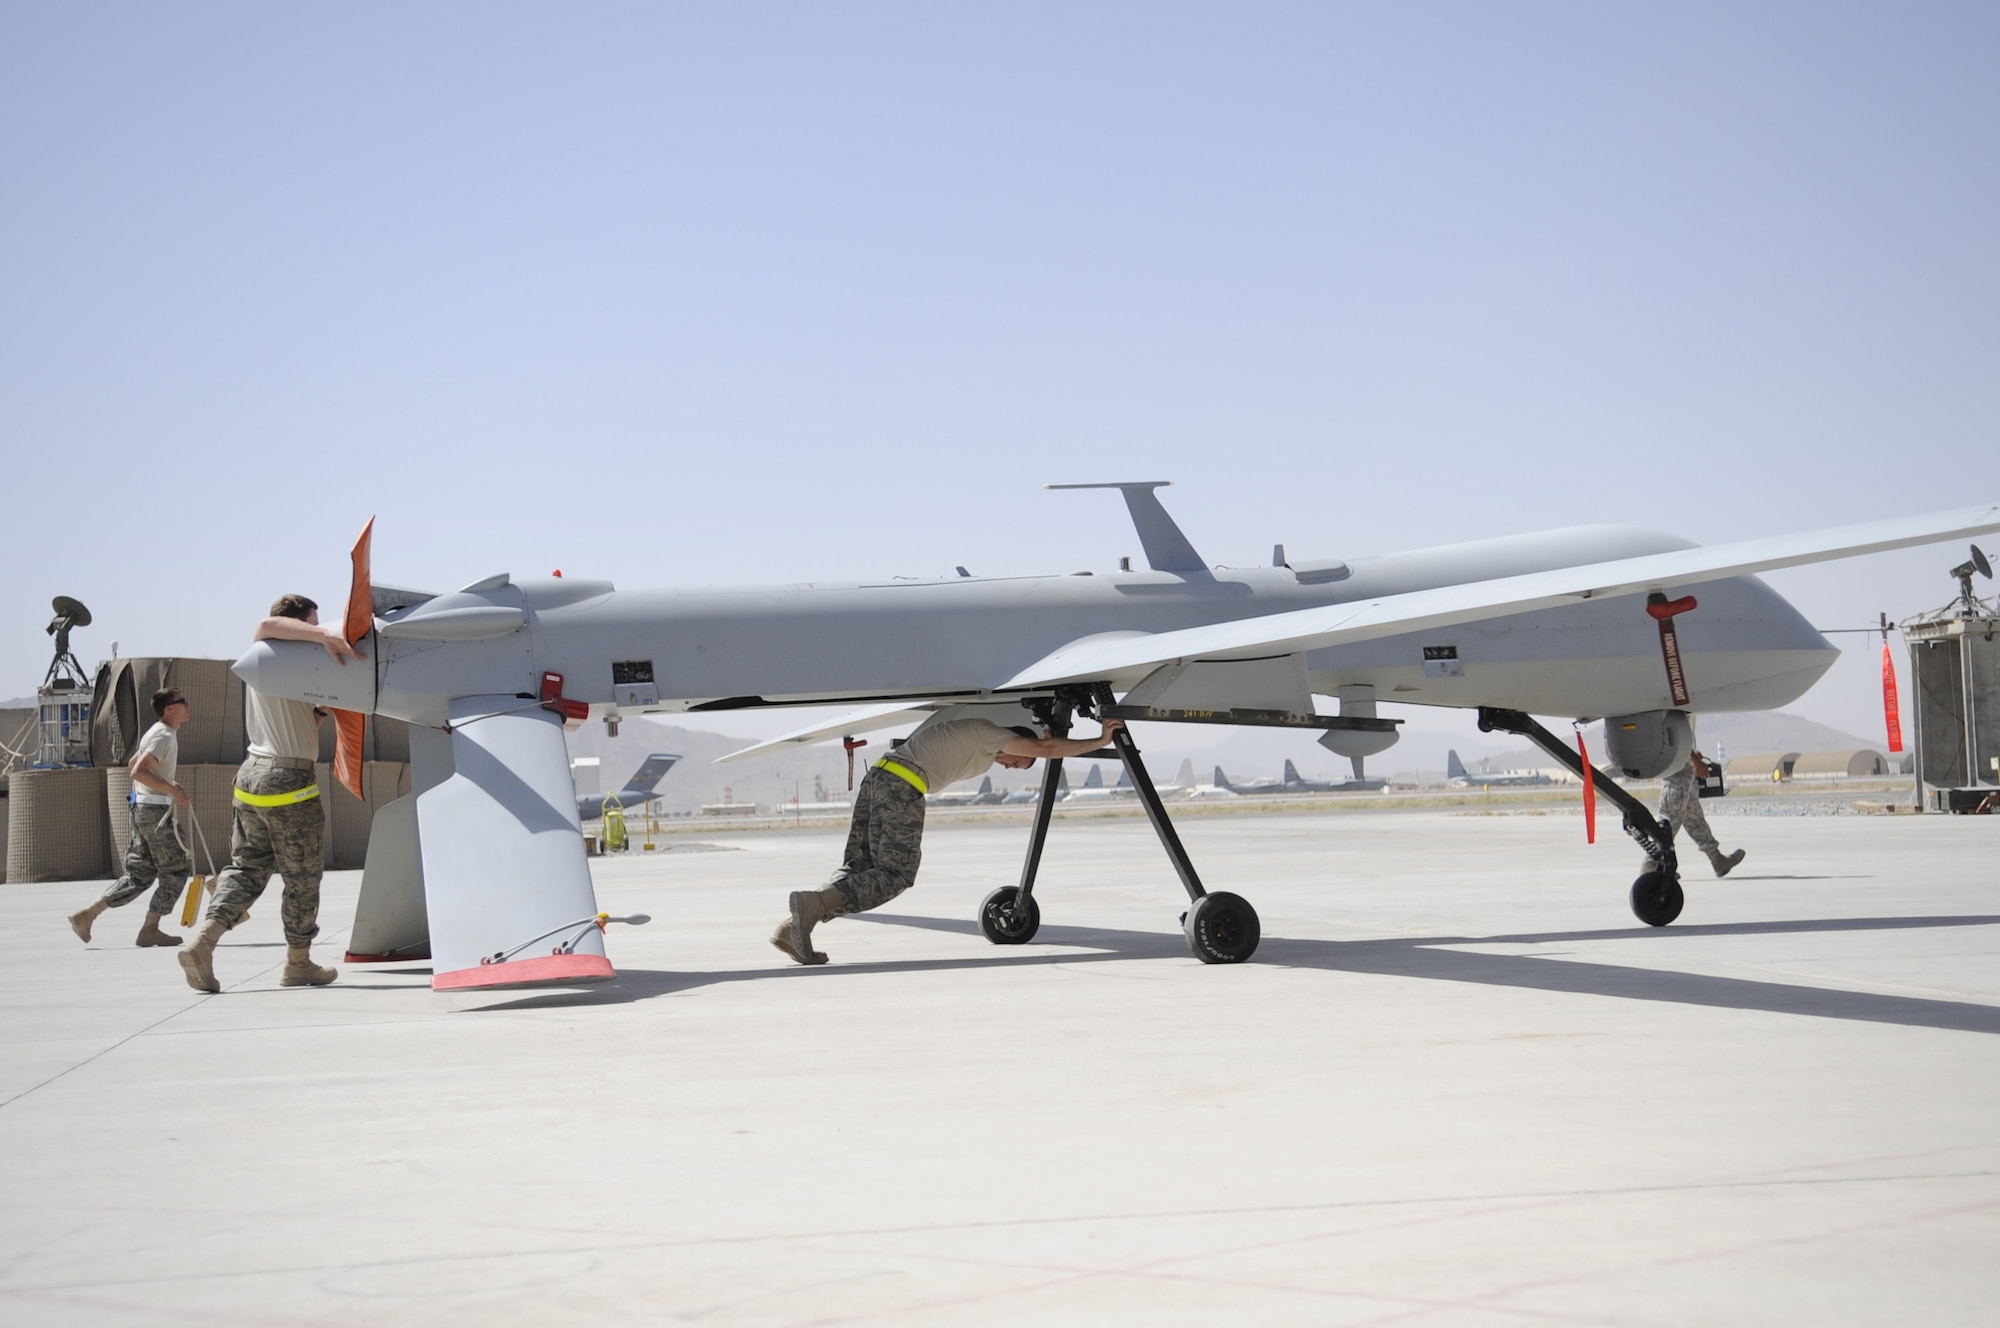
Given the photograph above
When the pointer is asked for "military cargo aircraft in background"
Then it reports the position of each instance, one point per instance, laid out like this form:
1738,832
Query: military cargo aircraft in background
1457,776
982,796
638,790
1096,790
1628,625
1295,783
1248,787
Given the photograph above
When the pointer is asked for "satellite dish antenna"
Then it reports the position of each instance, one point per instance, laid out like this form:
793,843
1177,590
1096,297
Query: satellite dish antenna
65,673
1976,563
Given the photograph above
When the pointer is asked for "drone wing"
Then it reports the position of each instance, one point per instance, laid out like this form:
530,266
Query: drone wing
1392,615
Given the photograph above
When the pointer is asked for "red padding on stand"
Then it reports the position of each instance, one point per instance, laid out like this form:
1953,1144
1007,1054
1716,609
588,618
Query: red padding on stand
527,973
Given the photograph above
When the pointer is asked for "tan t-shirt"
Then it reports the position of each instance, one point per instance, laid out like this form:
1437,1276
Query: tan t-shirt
278,726
948,750
164,746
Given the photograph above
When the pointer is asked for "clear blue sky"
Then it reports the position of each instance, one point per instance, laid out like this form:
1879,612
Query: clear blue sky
704,294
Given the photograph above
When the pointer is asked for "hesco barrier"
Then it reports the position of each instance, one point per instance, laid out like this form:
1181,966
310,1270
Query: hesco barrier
121,709
74,824
57,826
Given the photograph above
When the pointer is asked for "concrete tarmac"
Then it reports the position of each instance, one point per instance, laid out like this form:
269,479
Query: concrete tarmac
1458,1085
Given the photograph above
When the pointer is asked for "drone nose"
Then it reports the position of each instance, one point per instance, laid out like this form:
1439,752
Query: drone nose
301,671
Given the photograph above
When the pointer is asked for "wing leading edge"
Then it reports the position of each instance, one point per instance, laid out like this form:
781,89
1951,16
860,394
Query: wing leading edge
1445,606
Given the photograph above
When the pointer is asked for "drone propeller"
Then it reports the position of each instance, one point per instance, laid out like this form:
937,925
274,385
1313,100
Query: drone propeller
351,727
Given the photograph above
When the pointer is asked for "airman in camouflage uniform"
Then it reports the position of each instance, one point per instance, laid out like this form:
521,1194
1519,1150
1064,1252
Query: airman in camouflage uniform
1680,809
289,839
154,853
885,845
280,824
153,857
886,839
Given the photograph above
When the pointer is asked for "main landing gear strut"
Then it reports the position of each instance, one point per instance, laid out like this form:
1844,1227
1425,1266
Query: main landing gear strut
1221,928
1656,895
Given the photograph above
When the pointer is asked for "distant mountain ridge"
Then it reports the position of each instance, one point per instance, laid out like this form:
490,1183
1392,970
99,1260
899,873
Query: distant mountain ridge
1730,735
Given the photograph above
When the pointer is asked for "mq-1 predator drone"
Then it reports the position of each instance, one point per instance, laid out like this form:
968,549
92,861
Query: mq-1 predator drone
482,865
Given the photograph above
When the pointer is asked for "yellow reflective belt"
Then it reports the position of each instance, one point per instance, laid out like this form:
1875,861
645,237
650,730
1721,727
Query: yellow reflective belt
306,794
904,773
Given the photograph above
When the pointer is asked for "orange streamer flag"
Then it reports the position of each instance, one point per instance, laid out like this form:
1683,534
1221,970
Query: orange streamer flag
1892,714
1589,792
351,727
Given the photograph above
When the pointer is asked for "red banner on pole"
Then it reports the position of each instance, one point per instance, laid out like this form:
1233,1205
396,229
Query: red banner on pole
1892,715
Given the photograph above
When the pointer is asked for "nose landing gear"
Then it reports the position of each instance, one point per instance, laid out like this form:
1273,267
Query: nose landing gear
1656,895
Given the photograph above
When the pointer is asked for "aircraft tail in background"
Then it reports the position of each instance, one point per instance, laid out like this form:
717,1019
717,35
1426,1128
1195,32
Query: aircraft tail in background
1453,767
1291,773
647,775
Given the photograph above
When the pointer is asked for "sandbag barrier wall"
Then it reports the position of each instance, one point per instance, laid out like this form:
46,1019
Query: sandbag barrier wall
57,826
73,824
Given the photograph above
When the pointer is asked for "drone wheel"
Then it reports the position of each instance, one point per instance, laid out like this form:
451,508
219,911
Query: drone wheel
1222,929
1007,919
1657,899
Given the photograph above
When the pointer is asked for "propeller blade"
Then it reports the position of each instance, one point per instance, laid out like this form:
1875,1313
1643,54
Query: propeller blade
360,619
351,729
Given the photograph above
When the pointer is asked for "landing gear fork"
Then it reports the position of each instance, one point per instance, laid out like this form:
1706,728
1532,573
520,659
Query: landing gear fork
1656,896
1221,928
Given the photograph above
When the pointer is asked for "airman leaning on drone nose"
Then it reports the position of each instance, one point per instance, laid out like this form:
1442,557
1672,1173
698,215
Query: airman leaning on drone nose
280,826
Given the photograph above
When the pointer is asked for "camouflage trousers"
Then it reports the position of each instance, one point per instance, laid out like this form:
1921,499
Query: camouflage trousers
154,854
885,843
1680,808
289,840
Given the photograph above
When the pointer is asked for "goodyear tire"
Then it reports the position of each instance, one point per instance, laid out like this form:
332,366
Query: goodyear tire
1222,929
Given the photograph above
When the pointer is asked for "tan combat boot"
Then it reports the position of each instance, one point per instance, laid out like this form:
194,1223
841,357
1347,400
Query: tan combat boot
150,934
198,960
79,922
301,971
809,908
1722,862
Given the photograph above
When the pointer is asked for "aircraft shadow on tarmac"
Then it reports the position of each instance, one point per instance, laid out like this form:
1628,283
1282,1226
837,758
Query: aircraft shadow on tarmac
1430,957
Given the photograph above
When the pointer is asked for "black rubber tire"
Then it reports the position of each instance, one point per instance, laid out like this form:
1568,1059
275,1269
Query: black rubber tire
1657,899
1222,929
1003,923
